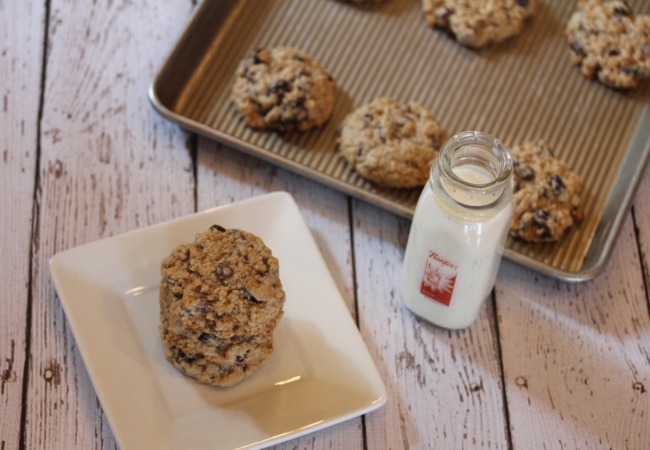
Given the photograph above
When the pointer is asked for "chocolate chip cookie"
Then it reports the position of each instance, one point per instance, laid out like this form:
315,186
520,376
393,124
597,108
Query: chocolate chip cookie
477,23
282,89
391,144
546,195
220,300
609,42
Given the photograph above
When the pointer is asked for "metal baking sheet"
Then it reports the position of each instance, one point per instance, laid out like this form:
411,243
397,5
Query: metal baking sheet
524,89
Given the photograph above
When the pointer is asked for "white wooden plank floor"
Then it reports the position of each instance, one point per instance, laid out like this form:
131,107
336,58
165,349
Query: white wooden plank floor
83,156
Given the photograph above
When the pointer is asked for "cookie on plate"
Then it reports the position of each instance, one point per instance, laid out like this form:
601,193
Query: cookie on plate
546,195
282,89
391,144
477,23
609,42
220,300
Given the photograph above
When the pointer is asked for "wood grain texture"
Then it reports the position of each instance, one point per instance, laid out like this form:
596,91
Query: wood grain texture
577,356
444,388
548,365
108,164
225,176
641,211
21,59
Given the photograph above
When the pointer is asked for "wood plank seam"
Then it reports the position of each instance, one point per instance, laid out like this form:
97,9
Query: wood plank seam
194,154
356,300
34,233
497,332
644,270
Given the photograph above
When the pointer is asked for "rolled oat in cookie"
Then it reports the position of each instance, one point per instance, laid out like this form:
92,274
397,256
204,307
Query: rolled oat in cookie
282,89
391,144
220,300
610,43
546,194
477,23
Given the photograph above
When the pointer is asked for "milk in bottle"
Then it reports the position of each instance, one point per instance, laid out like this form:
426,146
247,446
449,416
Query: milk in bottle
459,231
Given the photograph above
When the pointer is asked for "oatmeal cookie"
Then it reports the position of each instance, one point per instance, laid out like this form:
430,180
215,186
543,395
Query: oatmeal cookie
546,195
220,300
609,42
197,365
477,23
391,144
282,89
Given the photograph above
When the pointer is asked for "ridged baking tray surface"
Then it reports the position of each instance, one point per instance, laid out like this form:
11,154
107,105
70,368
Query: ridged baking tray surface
525,89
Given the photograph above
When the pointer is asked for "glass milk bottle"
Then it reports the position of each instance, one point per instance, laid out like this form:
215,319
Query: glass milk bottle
459,231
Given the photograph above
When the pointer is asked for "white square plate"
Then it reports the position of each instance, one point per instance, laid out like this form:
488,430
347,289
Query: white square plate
320,373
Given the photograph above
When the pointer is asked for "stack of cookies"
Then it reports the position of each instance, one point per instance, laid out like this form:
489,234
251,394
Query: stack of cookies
220,300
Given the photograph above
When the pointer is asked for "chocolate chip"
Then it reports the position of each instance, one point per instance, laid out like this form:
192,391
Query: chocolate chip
298,57
181,357
557,184
300,101
203,337
278,87
236,338
541,217
223,272
525,172
613,52
597,68
218,228
360,150
442,20
623,9
517,187
247,295
304,73
544,232
367,119
523,3
240,358
578,50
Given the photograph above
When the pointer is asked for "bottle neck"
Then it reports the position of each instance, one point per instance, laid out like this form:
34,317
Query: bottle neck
474,170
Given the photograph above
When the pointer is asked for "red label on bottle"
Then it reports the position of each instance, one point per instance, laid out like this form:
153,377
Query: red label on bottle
439,279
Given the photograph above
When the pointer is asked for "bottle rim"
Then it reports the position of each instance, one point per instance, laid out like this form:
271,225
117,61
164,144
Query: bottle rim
478,148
